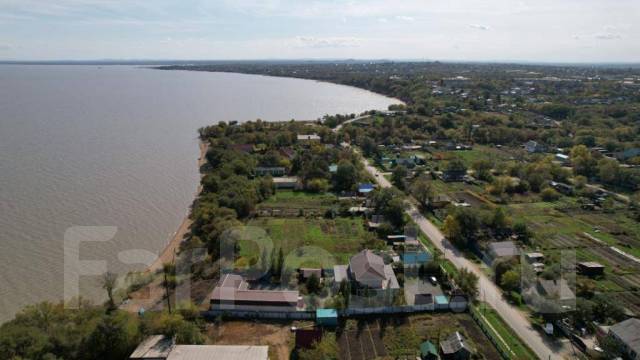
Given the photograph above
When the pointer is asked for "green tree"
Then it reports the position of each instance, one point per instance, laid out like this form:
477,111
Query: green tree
318,185
394,212
422,190
549,194
173,325
368,146
114,337
510,280
313,284
456,165
467,281
346,176
500,221
482,168
522,231
461,226
398,176
608,171
109,283
582,160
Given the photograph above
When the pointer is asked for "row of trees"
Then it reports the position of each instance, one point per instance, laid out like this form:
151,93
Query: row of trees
52,331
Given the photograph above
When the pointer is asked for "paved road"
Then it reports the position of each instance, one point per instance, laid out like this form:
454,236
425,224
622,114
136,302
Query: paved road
337,128
489,292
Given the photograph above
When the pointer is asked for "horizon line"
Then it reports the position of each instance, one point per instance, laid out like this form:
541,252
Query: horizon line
123,61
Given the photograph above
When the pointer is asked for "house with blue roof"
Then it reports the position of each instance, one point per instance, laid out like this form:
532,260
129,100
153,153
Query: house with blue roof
365,188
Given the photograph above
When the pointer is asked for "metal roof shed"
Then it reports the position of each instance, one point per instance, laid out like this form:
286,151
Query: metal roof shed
327,317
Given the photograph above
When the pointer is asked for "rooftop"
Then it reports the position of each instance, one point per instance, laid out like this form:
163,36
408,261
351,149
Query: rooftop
153,347
591,264
452,344
366,264
558,289
226,352
628,332
161,347
503,249
233,288
309,137
326,313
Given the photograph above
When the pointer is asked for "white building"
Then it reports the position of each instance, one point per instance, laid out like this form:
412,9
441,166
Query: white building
160,347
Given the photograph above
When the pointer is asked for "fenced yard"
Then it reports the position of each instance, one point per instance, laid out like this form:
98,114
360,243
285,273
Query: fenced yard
401,336
310,239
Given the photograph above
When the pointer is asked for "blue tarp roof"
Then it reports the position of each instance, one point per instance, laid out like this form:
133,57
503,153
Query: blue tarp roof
365,188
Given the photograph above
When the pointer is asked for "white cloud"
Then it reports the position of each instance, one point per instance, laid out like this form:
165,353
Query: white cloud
607,36
326,42
480,27
383,20
405,18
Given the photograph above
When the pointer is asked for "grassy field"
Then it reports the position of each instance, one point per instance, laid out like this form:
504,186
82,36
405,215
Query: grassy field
299,200
514,346
310,241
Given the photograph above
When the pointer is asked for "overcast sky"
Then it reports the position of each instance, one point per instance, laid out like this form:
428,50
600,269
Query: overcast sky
536,30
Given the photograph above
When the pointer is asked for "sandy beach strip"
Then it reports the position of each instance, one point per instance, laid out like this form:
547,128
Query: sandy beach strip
171,249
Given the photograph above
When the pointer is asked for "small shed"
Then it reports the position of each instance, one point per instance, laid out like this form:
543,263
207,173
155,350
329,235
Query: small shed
590,268
455,347
428,351
534,257
327,317
441,301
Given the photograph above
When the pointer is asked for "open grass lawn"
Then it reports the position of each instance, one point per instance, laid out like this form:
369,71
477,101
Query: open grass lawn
299,200
309,242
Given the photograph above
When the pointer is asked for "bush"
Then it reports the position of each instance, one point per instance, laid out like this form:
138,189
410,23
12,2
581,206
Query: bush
549,195
318,185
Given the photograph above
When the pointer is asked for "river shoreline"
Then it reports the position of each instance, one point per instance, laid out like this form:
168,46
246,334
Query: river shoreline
171,249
